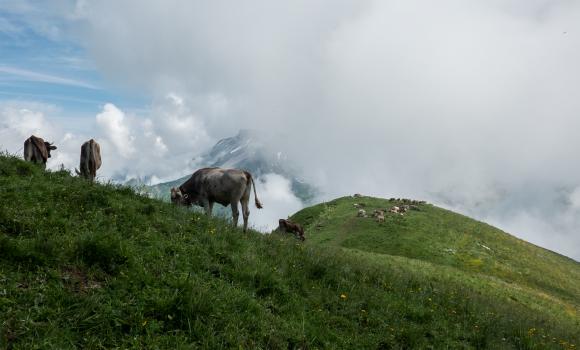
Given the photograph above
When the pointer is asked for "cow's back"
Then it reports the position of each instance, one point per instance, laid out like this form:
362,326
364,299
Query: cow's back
217,185
96,150
226,185
193,185
92,152
35,150
90,160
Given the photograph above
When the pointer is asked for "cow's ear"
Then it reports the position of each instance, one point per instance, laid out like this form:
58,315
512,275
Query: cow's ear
52,147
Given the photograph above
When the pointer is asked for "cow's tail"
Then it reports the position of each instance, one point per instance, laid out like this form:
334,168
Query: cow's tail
251,179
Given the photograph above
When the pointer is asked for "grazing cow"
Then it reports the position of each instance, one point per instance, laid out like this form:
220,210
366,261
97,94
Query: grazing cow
224,186
291,227
36,150
90,160
381,217
362,213
394,209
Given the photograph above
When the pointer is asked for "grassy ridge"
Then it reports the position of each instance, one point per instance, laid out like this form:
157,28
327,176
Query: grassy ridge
93,266
441,237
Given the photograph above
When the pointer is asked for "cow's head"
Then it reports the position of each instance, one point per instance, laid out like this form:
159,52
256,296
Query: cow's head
179,198
49,147
176,196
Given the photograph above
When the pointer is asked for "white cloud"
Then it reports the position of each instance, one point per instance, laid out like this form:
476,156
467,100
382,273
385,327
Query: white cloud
154,145
114,125
19,120
29,75
275,193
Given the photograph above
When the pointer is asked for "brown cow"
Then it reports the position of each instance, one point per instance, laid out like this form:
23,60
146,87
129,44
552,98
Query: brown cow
36,150
90,160
290,227
224,186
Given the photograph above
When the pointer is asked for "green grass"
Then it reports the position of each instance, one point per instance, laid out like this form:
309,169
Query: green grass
444,238
97,266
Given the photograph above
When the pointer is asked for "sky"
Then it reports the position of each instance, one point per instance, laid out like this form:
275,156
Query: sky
472,105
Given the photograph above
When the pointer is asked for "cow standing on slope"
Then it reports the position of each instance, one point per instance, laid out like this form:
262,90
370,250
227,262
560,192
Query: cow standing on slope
36,150
224,186
90,160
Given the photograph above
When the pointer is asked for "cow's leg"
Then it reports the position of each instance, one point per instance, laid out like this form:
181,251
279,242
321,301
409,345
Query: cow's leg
235,213
208,206
245,211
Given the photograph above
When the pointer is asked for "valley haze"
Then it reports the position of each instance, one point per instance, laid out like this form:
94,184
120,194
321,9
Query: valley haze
469,105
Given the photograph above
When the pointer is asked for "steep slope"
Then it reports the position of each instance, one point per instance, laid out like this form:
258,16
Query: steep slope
98,266
247,150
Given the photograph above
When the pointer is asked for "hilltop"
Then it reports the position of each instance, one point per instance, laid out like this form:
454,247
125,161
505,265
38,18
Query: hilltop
99,266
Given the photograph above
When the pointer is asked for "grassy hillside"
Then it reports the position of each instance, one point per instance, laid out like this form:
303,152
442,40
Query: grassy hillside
97,266
449,247
442,237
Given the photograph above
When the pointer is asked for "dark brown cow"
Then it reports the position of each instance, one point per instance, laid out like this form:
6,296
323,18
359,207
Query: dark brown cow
36,150
90,160
291,227
224,186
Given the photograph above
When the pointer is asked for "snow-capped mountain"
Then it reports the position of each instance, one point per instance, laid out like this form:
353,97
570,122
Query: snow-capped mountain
250,150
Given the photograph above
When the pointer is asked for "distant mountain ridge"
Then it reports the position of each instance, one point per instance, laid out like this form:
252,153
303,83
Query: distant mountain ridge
250,150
